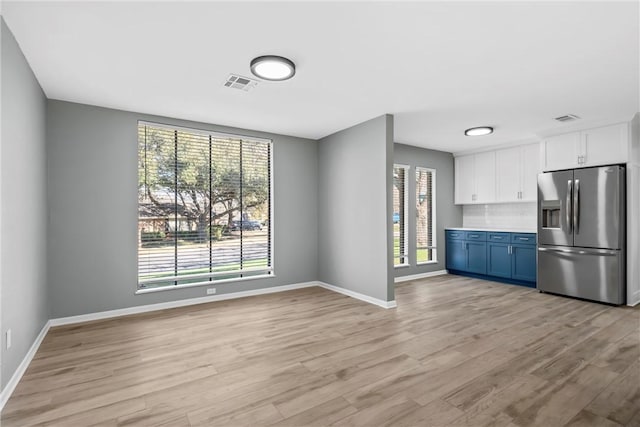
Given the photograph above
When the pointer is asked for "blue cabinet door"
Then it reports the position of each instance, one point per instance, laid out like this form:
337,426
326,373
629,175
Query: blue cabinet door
498,260
523,264
456,255
476,257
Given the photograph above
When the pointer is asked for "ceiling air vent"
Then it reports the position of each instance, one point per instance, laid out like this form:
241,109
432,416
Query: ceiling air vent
235,81
567,118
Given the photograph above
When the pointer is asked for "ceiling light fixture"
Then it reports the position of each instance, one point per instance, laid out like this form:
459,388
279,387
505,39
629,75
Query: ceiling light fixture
271,67
479,131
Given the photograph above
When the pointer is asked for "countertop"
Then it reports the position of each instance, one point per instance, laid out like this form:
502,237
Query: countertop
502,230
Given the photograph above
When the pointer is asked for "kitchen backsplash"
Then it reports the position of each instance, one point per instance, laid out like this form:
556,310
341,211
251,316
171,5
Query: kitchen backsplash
505,216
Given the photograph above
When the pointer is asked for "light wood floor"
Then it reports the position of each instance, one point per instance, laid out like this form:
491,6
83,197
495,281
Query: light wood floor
456,351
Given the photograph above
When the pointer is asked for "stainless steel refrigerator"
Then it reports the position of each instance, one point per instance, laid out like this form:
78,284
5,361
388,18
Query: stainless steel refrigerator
581,233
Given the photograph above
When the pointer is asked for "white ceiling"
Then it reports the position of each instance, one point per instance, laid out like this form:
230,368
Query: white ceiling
438,67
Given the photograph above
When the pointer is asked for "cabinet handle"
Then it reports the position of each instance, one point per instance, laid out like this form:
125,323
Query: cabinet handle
526,239
473,235
497,238
510,250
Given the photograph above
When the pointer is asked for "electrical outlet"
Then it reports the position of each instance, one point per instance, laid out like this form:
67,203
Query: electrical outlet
8,339
211,291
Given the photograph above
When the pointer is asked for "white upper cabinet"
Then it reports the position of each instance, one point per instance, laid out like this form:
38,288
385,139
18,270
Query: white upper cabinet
485,177
475,178
561,152
509,167
605,145
517,173
464,180
592,147
530,170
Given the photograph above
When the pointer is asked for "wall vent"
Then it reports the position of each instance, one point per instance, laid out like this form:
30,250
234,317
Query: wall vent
235,81
567,118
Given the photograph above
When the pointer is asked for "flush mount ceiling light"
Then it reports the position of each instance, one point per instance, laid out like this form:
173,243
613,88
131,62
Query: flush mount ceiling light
479,131
271,67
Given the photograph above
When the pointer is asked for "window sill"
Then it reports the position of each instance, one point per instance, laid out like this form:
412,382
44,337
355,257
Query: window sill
427,262
199,284
402,266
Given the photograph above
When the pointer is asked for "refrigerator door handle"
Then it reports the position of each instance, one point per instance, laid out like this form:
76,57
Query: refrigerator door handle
576,207
600,252
569,197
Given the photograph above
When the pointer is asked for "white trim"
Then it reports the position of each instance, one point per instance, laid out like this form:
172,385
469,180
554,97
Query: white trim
173,304
404,233
22,368
266,272
419,276
207,132
435,261
434,215
357,295
402,265
141,291
634,299
512,144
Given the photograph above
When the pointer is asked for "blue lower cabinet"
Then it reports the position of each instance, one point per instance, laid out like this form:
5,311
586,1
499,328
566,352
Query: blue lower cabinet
498,260
476,257
508,257
523,265
456,254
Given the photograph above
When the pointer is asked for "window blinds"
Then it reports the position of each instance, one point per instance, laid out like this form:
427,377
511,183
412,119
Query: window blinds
425,213
400,193
204,206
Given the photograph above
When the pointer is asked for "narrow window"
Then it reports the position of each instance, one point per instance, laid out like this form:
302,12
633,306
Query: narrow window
400,229
425,215
204,207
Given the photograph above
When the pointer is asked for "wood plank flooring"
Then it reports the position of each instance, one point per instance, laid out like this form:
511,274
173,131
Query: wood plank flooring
456,351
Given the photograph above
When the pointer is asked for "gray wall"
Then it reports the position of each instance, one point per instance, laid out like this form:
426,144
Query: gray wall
92,154
354,208
24,206
447,214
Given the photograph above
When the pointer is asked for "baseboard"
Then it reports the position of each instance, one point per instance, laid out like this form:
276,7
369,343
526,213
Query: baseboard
22,368
174,304
419,276
357,295
634,299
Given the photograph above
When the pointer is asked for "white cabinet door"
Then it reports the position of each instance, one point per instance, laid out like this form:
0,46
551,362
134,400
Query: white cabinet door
604,146
465,182
530,156
508,168
485,177
561,152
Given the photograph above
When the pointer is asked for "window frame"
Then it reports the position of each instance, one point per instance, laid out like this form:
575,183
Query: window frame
405,232
434,236
269,272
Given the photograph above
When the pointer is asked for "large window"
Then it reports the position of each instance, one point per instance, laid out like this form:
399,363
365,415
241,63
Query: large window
425,215
400,193
204,207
